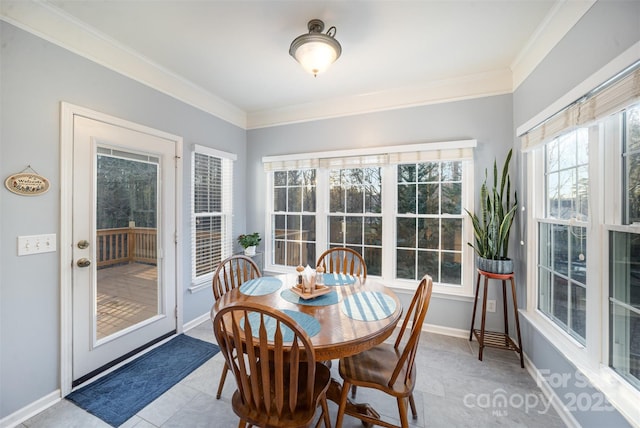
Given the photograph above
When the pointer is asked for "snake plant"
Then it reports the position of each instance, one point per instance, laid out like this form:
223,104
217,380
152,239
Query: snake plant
493,224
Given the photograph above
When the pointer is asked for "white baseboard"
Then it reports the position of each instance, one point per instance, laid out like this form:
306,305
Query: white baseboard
550,394
446,331
31,410
195,322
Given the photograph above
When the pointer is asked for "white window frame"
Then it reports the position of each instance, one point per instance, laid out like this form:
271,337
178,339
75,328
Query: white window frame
541,215
466,200
591,359
271,213
389,199
327,214
204,281
536,199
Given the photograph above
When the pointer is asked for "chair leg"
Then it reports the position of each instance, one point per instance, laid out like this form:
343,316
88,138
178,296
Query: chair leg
343,403
223,377
412,403
325,411
402,408
354,389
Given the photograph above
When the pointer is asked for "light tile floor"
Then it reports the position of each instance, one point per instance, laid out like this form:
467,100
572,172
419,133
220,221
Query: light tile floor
454,389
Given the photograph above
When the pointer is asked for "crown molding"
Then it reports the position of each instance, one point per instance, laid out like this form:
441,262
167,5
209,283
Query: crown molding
441,91
560,19
58,27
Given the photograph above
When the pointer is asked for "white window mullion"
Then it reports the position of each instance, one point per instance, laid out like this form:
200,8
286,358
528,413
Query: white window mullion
227,207
268,223
532,184
389,212
468,200
610,191
322,211
596,288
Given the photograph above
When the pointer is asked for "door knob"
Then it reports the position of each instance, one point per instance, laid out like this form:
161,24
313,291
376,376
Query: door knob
83,262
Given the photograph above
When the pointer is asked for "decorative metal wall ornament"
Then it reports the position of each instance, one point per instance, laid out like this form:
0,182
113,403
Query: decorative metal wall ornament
27,183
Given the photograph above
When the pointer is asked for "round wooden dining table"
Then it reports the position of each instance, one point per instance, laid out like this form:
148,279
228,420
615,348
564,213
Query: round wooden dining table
340,334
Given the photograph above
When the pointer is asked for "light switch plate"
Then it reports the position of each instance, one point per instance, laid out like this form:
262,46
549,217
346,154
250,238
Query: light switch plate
35,244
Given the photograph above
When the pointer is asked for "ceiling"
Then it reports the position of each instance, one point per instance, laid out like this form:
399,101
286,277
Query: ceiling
230,58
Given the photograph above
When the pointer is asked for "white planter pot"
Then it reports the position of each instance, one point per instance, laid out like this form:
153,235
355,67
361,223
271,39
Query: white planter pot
250,251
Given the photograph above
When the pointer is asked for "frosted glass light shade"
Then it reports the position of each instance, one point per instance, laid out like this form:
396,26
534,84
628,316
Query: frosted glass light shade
316,51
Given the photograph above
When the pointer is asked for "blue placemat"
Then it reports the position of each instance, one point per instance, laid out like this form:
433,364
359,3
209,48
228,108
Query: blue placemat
368,306
330,298
261,286
338,279
307,322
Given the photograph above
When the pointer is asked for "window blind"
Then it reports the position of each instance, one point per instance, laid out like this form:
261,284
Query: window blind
463,153
610,97
355,161
212,208
283,165
374,156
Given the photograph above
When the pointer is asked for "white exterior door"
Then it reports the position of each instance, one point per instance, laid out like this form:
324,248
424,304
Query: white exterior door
124,243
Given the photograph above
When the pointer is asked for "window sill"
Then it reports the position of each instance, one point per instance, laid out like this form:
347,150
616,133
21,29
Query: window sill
200,285
440,291
571,349
616,390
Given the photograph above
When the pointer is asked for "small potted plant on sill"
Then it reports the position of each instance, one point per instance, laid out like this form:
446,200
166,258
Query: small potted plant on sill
492,225
249,243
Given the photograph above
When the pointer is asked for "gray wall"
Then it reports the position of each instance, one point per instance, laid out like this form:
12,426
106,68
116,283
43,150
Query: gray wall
607,29
35,77
487,120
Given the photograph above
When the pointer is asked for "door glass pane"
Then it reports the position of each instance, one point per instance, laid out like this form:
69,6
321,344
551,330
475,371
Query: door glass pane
127,287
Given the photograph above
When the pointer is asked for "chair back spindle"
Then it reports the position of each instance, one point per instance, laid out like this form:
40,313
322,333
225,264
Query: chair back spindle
343,260
232,273
273,361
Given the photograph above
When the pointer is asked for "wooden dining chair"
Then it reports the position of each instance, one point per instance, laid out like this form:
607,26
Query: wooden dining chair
343,260
279,382
389,367
231,273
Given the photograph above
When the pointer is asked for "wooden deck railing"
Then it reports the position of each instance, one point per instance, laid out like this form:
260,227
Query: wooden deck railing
126,245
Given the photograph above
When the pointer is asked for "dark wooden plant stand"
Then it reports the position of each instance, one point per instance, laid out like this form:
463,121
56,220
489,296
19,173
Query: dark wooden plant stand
491,338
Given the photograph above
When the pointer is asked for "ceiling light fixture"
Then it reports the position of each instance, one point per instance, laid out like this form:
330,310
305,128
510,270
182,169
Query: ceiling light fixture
316,51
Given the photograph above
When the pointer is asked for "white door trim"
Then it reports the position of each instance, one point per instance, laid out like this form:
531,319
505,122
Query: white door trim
67,112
